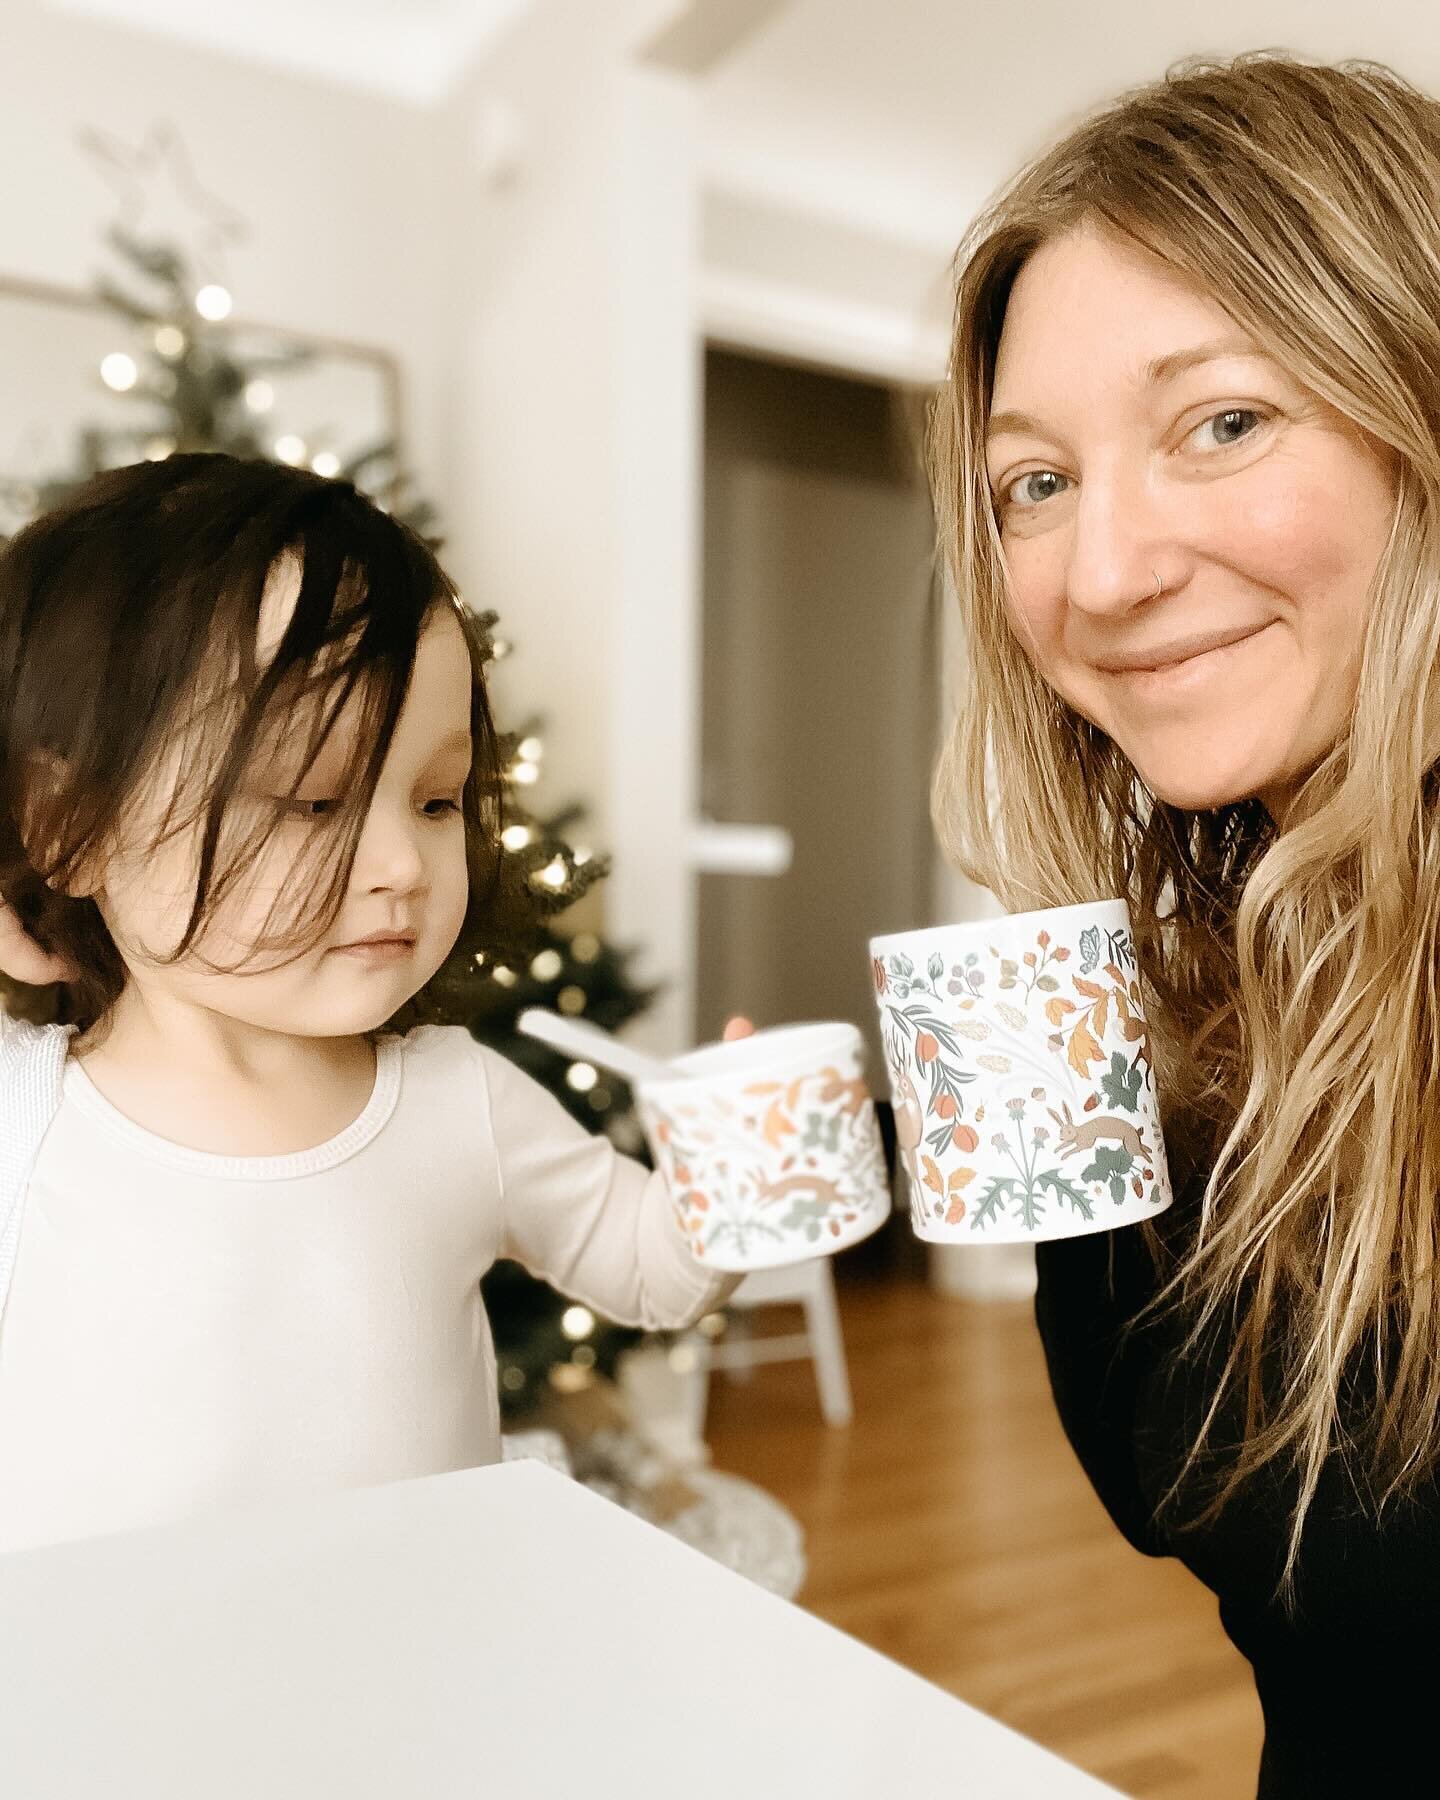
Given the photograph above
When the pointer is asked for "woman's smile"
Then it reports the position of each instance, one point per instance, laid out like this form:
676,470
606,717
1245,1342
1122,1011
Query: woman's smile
1178,671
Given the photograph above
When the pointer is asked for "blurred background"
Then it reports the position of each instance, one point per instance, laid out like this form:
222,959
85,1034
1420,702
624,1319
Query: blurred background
636,305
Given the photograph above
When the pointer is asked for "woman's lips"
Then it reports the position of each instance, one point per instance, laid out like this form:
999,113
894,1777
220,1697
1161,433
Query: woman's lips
1193,666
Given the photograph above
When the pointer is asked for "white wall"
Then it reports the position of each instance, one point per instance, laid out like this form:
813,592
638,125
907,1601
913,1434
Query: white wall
341,191
574,428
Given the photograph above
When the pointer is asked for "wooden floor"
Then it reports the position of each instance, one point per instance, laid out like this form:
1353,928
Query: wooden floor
951,1528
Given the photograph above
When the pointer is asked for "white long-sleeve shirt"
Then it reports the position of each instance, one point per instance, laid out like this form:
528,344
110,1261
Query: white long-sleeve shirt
187,1332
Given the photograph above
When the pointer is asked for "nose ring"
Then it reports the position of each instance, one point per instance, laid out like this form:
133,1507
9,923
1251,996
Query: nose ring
1158,585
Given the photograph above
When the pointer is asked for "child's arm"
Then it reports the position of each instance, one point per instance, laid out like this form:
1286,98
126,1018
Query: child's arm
588,1220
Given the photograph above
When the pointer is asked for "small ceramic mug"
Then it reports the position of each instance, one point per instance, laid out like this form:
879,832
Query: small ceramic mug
1019,1059
770,1146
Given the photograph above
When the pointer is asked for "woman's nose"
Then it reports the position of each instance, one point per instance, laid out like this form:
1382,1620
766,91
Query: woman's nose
1116,547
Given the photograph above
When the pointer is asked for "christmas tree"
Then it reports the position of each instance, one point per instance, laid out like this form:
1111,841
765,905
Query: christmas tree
195,387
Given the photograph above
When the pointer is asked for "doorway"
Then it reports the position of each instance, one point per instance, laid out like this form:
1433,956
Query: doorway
821,686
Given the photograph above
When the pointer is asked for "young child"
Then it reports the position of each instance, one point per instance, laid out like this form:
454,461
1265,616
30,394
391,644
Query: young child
248,791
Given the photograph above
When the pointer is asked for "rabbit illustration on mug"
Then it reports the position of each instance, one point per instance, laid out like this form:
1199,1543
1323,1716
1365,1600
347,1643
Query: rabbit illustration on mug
1088,1133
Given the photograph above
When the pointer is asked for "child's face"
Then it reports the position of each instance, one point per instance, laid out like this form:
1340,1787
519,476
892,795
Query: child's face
410,877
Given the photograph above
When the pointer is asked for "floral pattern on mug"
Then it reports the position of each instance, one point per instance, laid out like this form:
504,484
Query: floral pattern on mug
786,1167
1055,1034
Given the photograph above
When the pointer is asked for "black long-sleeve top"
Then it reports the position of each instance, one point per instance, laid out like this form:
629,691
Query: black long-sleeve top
1349,1683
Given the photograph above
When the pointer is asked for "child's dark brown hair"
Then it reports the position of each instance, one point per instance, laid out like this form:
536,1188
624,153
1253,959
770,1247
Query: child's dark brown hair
129,617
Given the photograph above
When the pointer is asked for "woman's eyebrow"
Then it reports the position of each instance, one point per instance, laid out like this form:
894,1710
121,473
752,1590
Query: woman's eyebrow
1157,372
1166,368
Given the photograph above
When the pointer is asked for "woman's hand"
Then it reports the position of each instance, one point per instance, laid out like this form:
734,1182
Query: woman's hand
737,1028
22,959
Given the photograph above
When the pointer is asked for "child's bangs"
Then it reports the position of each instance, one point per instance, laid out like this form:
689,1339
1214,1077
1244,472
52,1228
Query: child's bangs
303,706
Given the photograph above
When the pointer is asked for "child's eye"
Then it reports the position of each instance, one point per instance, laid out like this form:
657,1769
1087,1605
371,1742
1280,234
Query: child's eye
309,809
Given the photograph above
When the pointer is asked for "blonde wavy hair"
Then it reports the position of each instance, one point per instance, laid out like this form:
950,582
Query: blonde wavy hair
1293,966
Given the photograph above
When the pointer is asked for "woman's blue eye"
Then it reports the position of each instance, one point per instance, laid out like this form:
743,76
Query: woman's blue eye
1228,427
1038,486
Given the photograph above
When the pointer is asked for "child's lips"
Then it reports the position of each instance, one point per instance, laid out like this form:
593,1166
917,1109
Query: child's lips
380,946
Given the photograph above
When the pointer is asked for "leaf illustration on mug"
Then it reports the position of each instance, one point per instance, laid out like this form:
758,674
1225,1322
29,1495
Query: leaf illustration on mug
1012,1015
923,1033
997,1065
1121,1086
1082,1050
1089,949
822,1133
1032,970
1081,1028
1111,1165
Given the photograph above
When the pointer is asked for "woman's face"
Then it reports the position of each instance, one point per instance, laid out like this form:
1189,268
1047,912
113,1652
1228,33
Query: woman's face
1190,536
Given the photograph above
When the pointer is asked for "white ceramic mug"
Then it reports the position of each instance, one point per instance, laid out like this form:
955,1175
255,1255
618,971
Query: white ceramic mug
1020,1071
770,1146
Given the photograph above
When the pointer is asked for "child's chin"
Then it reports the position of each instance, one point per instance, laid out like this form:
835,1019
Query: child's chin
352,1019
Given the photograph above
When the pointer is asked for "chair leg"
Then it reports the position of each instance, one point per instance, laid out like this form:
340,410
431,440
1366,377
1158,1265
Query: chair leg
822,1319
738,1332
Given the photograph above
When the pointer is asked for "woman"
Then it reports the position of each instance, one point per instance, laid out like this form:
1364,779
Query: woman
1188,463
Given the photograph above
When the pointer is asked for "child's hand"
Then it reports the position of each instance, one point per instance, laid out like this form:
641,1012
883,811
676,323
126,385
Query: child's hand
738,1028
22,959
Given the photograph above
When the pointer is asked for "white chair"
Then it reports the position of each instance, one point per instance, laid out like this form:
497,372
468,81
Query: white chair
810,1285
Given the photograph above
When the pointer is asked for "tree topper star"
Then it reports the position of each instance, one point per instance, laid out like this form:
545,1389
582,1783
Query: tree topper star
160,199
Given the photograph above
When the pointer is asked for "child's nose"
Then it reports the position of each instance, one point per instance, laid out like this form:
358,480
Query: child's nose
389,858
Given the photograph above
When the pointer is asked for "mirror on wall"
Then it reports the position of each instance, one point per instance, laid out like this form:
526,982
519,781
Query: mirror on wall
326,401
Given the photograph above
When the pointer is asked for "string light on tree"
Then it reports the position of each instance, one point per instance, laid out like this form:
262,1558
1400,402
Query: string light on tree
581,1076
119,371
259,395
213,302
577,1322
170,340
516,837
290,449
326,463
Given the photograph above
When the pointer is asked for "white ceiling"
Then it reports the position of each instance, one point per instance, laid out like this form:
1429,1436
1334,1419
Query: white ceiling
891,116
901,115
409,49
